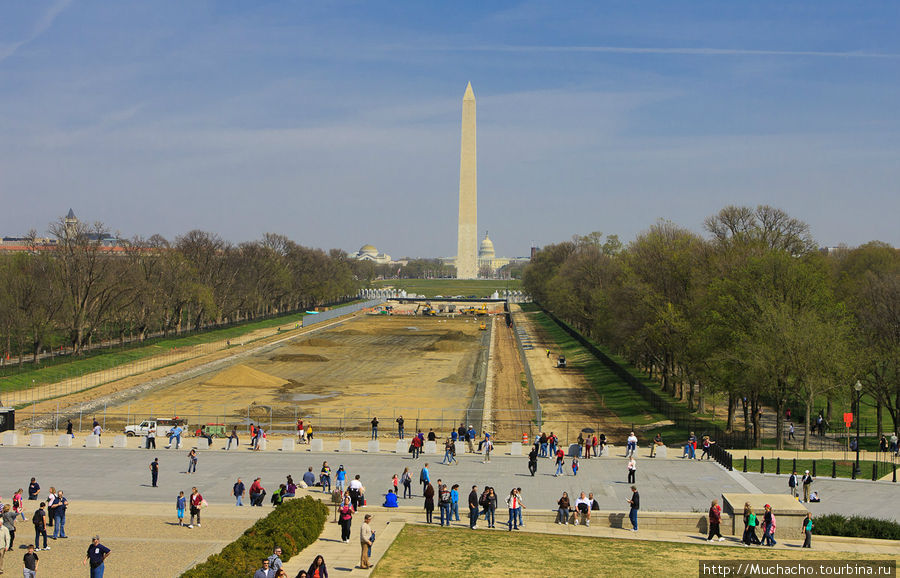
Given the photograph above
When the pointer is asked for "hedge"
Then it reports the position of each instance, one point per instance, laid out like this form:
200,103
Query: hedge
293,526
856,527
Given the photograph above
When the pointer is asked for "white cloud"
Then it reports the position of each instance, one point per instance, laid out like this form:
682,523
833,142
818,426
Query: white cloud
44,22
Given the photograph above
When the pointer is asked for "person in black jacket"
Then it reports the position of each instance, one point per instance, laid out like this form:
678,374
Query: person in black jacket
635,503
473,507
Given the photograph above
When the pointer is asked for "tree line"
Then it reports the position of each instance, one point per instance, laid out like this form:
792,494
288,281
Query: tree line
80,289
753,310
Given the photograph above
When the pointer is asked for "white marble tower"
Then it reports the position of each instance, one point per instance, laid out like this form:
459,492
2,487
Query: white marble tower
467,236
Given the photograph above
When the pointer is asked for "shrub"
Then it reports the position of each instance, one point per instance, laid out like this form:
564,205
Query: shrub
293,526
856,527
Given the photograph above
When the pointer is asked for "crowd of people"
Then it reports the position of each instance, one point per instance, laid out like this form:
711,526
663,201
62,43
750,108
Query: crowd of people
50,513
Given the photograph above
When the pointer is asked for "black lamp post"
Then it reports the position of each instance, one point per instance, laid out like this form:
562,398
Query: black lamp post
858,387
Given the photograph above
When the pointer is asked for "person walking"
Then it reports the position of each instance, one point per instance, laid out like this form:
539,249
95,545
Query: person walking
96,555
317,569
807,530
69,428
429,501
562,512
192,461
39,519
31,562
715,518
196,506
635,503
180,503
473,508
632,468
266,571
5,543
9,522
325,477
769,527
374,428
532,460
58,513
575,466
406,480
340,477
355,490
488,446
807,482
345,518
400,422
750,524
237,490
423,476
366,539
543,445
560,462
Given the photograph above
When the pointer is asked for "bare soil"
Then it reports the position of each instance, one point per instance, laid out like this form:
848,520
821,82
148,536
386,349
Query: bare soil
568,401
512,413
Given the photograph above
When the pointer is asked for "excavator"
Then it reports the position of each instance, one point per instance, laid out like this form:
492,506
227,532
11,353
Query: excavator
476,310
427,309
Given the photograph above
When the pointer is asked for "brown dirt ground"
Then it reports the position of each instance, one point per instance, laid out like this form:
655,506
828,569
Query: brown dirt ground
144,538
567,400
512,413
374,365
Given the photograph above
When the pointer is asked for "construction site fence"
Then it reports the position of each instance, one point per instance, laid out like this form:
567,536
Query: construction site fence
508,425
532,390
323,316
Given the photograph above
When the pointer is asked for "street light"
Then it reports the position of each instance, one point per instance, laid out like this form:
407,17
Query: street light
858,387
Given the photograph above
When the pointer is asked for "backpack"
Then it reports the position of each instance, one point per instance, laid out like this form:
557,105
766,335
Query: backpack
38,519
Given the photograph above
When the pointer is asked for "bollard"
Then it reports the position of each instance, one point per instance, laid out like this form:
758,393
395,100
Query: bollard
853,475
874,471
814,468
895,473
778,466
833,469
794,465
762,464
745,464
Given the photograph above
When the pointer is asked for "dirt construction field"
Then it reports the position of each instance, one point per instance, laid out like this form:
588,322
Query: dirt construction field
379,366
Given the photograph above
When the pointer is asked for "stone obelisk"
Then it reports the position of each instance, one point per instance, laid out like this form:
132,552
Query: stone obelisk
467,237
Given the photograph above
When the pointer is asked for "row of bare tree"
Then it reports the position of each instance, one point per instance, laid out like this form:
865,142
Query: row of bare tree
754,311
81,289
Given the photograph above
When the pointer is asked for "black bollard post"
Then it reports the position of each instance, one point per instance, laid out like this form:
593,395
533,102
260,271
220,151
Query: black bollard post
874,471
853,476
895,473
814,468
778,466
833,469
762,465
794,465
745,464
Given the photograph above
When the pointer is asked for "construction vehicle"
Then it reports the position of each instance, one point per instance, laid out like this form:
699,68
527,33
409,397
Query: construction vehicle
561,361
483,326
427,309
475,310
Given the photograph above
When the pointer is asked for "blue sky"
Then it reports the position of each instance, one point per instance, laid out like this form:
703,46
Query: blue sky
337,123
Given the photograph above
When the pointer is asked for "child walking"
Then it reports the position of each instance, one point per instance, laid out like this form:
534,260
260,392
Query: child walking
180,503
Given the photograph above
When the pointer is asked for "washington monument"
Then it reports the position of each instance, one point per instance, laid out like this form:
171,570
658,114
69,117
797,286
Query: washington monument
467,236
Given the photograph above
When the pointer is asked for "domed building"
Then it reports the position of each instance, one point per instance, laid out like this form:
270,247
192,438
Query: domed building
370,253
486,250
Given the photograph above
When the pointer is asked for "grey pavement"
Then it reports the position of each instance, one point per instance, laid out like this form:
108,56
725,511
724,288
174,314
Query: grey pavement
665,484
841,496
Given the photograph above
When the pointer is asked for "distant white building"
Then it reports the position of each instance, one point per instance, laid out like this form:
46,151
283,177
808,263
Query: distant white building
487,257
370,253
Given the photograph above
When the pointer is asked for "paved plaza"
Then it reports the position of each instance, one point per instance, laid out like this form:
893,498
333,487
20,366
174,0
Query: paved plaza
670,485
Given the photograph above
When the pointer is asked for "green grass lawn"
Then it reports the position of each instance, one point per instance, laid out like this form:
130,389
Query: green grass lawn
451,287
65,367
433,551
843,469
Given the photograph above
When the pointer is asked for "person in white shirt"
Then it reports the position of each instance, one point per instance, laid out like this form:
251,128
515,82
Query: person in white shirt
631,446
583,510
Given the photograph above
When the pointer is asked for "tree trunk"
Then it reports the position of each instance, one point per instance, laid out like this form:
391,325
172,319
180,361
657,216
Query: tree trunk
807,425
732,406
878,418
757,425
701,405
779,416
